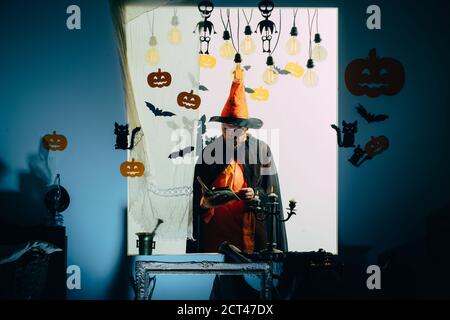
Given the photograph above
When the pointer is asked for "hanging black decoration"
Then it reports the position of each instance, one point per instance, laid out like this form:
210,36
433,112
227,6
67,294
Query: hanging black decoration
159,112
266,26
370,117
205,27
181,153
121,132
359,156
349,130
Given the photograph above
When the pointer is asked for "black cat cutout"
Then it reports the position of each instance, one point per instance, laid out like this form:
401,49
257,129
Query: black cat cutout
122,133
181,153
374,147
158,112
202,124
349,130
358,158
370,117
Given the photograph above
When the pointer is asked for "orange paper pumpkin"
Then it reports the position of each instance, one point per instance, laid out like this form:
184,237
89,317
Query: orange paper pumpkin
207,61
189,100
260,94
55,142
376,146
159,79
132,169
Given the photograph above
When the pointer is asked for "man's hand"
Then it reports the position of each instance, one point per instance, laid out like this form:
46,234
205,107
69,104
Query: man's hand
246,194
206,201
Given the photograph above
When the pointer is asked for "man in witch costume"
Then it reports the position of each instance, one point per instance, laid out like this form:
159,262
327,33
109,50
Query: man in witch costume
244,164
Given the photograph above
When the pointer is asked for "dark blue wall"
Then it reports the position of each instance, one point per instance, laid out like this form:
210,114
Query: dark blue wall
69,81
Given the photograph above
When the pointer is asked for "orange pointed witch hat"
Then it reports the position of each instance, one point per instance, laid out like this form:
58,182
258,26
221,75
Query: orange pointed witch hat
235,110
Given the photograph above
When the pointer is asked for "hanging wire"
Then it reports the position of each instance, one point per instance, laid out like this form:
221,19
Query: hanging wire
295,14
317,21
245,16
278,39
310,27
231,30
238,33
148,21
153,23
225,26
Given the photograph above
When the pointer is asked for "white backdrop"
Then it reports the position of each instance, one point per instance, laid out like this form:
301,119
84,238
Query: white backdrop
297,118
165,192
296,126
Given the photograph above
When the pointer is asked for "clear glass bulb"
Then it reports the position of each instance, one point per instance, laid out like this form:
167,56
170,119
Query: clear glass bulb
237,72
174,35
310,79
270,76
152,56
293,46
319,53
226,50
248,45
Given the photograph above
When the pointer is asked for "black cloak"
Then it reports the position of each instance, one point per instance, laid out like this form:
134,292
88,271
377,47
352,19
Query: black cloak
259,172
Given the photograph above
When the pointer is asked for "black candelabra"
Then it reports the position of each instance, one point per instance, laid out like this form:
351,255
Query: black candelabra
272,213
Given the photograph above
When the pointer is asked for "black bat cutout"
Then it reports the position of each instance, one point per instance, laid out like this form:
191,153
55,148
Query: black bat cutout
247,68
370,117
249,90
282,71
202,88
181,153
209,140
158,112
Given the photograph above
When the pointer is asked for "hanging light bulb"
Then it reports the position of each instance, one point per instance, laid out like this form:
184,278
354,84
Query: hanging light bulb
174,35
237,72
248,44
270,76
310,79
152,55
319,53
227,50
293,45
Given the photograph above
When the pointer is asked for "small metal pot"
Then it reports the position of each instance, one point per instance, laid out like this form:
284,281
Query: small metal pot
145,243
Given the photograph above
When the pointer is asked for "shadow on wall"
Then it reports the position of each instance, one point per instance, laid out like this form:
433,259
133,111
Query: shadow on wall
26,206
419,268
120,282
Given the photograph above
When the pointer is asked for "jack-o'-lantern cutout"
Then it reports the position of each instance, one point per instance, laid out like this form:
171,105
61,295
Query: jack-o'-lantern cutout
189,100
376,145
260,94
375,76
54,142
132,169
295,69
159,79
207,61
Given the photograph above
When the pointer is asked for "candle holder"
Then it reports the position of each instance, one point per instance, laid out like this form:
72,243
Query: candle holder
271,213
